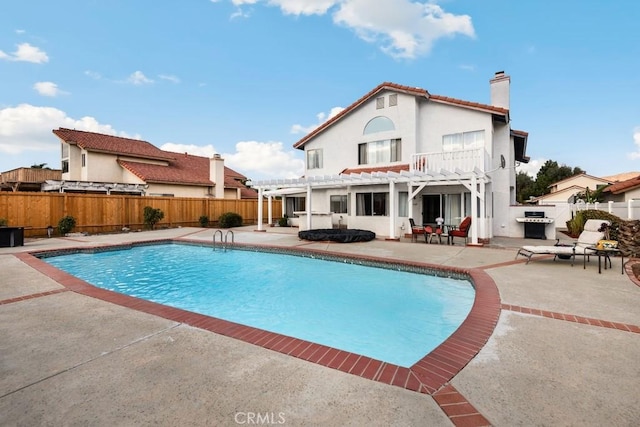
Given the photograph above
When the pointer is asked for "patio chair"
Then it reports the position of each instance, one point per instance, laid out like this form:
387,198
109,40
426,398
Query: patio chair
431,232
461,231
584,246
415,230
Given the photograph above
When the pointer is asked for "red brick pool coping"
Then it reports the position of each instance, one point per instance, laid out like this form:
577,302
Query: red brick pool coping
430,375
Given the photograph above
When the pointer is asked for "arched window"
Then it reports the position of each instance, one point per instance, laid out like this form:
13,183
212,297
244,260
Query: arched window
378,124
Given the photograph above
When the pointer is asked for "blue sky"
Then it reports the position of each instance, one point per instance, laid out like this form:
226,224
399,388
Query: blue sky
249,78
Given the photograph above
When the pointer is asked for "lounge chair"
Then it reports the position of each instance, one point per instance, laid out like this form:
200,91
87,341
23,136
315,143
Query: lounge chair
587,239
460,231
415,230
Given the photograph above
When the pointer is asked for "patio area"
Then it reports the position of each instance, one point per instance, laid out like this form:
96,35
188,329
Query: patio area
564,351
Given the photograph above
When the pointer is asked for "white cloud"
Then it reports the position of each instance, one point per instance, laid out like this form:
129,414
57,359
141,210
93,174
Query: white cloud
403,28
28,128
93,74
304,7
636,140
256,160
172,79
264,160
138,78
322,117
48,89
26,53
532,167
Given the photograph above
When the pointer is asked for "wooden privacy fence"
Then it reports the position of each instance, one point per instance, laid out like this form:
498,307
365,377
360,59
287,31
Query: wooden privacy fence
98,213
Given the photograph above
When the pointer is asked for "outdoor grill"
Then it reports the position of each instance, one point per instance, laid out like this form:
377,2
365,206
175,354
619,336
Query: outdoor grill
534,224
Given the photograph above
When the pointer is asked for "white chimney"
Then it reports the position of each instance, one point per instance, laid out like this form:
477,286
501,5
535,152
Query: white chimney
216,175
500,84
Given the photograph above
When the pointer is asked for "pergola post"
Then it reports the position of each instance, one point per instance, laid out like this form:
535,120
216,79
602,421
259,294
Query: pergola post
260,190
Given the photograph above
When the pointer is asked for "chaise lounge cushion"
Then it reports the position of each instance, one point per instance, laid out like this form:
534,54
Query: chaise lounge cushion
589,237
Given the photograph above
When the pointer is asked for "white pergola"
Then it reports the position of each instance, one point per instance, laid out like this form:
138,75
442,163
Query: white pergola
96,187
475,181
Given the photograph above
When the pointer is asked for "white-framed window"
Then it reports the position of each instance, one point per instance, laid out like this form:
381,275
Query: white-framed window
385,151
463,141
393,99
314,159
339,203
64,149
372,204
403,203
84,160
380,103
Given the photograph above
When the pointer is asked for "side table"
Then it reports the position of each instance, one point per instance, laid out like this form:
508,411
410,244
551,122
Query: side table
606,253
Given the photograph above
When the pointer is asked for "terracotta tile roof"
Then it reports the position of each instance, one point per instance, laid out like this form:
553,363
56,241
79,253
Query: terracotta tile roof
519,133
395,168
394,87
621,176
474,105
91,141
248,193
184,169
624,186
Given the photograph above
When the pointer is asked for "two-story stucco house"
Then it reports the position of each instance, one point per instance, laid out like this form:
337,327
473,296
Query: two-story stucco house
564,191
94,162
401,152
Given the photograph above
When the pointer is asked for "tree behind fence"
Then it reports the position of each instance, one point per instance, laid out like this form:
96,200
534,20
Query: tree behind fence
98,213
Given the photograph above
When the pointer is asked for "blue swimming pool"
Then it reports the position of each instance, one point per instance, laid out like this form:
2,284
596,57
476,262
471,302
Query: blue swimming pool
390,315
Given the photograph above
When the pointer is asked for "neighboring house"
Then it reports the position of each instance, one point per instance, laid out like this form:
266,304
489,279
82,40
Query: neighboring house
93,162
400,152
623,191
564,191
27,179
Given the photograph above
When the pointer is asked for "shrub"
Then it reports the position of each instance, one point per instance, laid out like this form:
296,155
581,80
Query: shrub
3,222
152,216
230,219
575,226
284,221
204,221
66,224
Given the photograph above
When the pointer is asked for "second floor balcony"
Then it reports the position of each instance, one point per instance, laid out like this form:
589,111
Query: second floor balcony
464,160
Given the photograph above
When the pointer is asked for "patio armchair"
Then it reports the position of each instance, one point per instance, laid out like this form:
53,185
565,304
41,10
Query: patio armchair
415,230
460,231
584,246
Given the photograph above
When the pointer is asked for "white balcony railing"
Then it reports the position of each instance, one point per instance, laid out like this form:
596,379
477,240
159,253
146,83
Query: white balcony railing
464,160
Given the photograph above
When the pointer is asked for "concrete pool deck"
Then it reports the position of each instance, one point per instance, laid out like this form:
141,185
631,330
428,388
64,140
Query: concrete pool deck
564,351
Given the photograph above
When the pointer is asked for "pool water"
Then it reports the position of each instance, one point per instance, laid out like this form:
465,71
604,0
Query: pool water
394,316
